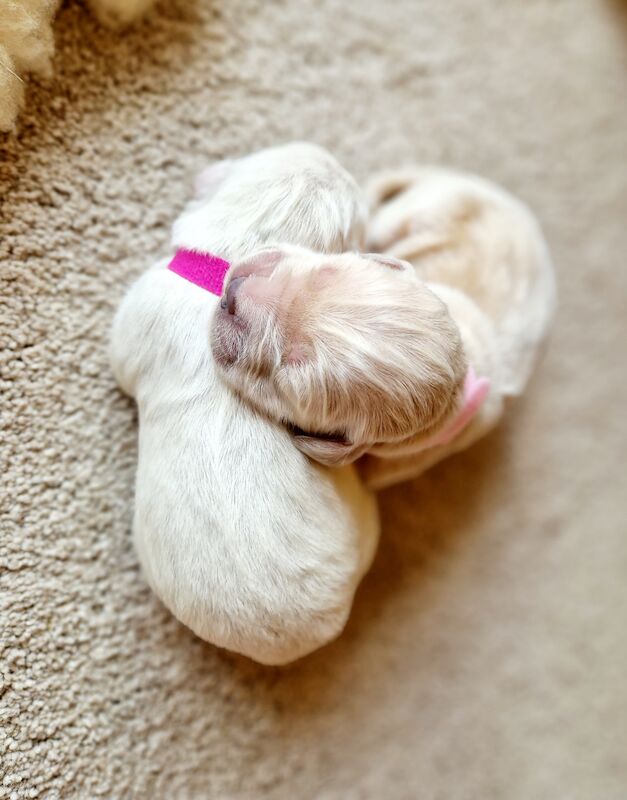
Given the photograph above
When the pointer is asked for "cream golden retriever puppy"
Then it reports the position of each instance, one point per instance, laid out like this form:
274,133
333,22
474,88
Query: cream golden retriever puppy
351,351
249,543
408,356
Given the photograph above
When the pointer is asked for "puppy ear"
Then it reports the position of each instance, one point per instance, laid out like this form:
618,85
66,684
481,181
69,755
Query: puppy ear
209,179
260,261
387,185
328,452
388,261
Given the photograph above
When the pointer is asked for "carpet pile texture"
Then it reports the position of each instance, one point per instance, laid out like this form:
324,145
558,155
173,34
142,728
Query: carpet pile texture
486,655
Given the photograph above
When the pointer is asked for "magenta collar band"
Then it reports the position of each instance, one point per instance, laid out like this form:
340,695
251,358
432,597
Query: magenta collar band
203,269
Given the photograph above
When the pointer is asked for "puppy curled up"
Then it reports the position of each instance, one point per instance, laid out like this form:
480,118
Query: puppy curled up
253,546
405,357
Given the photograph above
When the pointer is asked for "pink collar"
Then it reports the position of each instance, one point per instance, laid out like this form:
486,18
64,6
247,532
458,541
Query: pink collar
475,392
203,269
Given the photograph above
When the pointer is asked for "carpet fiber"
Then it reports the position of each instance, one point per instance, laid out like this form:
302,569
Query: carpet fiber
486,656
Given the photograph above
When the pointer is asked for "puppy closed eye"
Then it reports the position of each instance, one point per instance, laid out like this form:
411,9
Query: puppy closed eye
330,450
337,436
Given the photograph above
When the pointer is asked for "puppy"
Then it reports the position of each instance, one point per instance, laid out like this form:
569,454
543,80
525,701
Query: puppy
250,544
405,361
483,253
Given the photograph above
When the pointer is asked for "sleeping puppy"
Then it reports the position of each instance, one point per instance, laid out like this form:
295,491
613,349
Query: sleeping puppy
250,544
407,362
483,253
351,351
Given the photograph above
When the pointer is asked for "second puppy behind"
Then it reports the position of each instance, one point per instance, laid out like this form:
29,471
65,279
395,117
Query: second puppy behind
483,253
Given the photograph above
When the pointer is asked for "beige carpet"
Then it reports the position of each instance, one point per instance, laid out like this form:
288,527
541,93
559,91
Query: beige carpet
487,654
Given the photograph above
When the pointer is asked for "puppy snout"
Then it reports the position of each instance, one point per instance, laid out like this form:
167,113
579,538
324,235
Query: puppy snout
229,300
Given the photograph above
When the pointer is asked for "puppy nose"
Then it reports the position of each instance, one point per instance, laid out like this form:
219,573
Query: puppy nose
229,301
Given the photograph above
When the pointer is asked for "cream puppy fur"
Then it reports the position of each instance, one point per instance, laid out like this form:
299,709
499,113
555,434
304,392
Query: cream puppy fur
483,253
250,544
375,354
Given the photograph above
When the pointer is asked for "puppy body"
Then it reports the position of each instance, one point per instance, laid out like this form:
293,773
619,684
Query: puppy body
482,252
250,544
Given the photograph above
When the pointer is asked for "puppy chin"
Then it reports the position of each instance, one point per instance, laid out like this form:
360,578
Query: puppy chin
228,335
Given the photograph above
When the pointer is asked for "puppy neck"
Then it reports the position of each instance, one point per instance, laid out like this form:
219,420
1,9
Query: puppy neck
203,269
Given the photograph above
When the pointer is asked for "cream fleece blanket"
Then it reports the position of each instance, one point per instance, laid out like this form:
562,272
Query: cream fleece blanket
487,652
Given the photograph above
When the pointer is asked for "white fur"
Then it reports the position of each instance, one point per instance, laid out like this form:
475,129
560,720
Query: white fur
250,544
482,252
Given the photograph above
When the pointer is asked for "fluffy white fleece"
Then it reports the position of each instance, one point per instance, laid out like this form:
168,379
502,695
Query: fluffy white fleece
27,42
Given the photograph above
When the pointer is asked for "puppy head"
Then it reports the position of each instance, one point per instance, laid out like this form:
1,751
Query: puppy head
350,351
295,193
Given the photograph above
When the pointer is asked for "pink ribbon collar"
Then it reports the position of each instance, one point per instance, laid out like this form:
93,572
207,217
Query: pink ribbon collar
203,269
475,392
